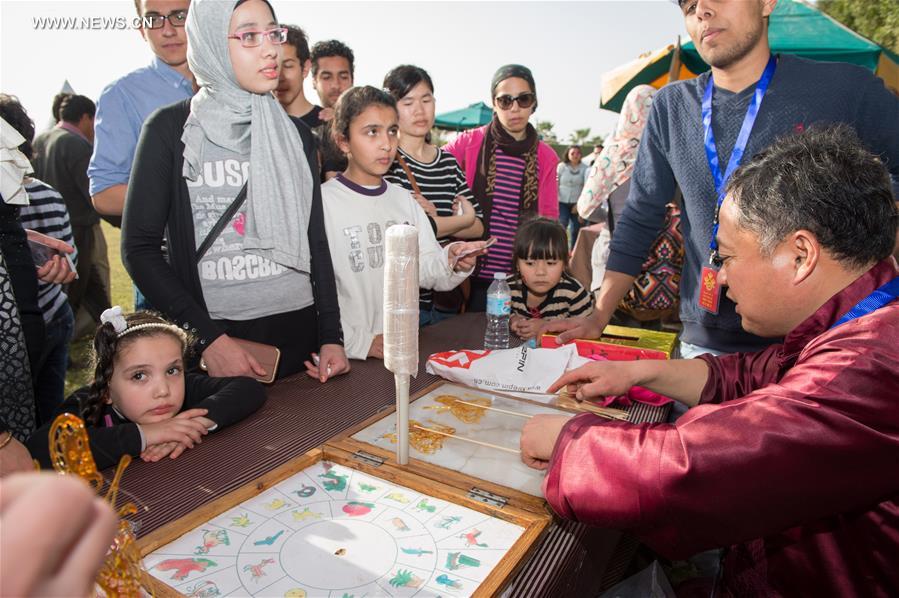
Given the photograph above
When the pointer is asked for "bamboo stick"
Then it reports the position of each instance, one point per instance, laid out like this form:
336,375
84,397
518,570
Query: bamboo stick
524,415
472,440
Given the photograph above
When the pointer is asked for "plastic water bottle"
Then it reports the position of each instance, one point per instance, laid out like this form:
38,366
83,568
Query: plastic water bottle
499,308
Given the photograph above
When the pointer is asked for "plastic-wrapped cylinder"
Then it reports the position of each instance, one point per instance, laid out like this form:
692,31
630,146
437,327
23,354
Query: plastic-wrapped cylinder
401,300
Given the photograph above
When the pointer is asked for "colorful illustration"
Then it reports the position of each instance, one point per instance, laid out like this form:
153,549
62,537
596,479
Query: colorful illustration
258,570
211,539
295,593
424,506
398,497
357,509
243,520
445,580
305,514
367,488
203,589
399,524
305,492
454,560
333,482
405,579
448,522
269,540
416,551
276,503
471,538
184,567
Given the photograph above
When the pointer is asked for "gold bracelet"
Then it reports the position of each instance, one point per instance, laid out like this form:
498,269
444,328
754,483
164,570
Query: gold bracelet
6,440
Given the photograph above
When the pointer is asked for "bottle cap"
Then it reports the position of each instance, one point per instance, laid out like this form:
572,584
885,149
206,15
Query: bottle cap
499,276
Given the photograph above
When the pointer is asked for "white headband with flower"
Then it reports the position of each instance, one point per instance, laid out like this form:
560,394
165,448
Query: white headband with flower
114,316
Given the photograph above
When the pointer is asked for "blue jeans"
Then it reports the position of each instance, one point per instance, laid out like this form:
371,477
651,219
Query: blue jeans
140,302
50,377
570,221
432,316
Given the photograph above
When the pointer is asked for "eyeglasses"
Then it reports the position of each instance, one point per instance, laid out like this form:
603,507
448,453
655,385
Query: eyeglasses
252,39
525,100
156,21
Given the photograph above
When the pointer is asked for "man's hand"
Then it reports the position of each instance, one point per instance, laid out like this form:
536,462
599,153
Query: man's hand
538,438
429,208
526,328
377,347
331,362
570,329
599,379
56,532
224,357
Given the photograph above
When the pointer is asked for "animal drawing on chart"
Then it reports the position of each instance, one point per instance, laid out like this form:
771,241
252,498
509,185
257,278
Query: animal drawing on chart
367,488
405,579
257,571
276,503
398,497
295,593
423,506
471,538
211,539
184,567
399,524
417,551
333,482
305,491
269,540
305,514
203,589
357,509
454,560
242,520
448,521
445,580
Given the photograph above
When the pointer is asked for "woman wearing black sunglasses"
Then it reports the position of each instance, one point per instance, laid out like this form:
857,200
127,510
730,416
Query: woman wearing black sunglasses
510,171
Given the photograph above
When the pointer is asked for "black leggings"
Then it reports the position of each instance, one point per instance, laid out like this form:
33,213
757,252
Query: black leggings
295,333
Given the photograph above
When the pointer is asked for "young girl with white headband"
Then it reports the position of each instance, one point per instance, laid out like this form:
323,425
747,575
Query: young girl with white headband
141,402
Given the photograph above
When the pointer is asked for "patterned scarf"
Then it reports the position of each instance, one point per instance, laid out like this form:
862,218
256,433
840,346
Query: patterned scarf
485,177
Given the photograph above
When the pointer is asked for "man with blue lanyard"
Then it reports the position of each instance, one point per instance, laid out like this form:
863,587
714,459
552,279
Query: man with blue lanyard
700,130
787,458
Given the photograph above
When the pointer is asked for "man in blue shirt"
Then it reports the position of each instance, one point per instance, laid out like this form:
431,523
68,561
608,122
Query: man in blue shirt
128,101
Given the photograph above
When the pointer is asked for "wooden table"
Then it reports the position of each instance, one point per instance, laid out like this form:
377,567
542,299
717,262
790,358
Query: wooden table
301,414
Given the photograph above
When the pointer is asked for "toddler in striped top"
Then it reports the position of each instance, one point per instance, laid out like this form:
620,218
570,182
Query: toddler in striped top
542,288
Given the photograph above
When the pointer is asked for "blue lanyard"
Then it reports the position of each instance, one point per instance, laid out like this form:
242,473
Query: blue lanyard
885,294
736,156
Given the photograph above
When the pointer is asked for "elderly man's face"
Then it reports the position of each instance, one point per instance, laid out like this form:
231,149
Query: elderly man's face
761,286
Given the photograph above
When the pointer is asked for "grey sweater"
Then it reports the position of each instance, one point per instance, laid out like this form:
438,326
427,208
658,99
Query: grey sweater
803,92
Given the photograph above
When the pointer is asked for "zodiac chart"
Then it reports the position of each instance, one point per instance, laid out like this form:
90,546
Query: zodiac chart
330,530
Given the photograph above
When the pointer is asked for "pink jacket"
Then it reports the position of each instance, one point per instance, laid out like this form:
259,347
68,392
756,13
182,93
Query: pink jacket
467,146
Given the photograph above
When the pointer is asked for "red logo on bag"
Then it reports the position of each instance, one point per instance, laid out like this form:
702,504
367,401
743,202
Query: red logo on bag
458,359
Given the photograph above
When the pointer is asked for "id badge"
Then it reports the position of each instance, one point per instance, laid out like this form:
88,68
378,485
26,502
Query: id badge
709,290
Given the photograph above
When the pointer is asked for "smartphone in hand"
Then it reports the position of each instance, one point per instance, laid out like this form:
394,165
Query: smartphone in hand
41,254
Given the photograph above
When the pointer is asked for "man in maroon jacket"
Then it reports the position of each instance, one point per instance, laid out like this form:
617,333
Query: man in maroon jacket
788,457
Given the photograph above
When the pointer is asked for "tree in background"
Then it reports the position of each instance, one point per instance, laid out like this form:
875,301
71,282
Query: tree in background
878,20
545,131
595,140
578,136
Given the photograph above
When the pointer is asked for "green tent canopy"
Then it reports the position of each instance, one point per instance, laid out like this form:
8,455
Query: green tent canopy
475,115
794,28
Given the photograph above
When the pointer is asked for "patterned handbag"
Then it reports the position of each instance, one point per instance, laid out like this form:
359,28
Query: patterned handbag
655,291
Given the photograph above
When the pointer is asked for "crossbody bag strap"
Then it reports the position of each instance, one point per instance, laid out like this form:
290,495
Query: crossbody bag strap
409,175
222,223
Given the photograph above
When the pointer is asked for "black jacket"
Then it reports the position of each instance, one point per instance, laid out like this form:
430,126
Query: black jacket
227,401
158,205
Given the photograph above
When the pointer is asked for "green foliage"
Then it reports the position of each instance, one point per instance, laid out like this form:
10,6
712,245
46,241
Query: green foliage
578,136
878,20
545,131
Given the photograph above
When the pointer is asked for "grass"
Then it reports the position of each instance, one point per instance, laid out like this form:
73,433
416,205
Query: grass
80,372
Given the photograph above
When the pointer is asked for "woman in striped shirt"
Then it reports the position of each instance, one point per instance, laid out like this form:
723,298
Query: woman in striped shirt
431,174
511,172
